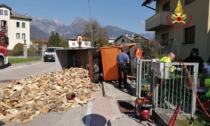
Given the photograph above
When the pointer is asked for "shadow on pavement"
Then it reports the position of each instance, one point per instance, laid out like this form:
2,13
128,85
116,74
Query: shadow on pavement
94,120
2,123
7,65
123,89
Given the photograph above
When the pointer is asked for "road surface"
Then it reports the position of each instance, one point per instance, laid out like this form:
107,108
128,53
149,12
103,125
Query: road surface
24,70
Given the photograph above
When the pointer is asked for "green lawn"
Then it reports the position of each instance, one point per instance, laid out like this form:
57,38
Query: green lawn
196,122
22,60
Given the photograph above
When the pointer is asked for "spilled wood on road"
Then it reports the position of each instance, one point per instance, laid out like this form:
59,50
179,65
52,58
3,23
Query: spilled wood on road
24,99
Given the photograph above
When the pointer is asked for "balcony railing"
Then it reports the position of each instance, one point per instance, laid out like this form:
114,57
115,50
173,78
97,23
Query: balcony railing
157,20
3,28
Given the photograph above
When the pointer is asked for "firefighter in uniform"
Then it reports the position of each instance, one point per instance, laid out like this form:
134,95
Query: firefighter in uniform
170,57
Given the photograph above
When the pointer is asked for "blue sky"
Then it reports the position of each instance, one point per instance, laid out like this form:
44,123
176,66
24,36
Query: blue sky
126,14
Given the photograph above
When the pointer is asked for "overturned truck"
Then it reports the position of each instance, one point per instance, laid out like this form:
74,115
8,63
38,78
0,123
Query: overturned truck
99,62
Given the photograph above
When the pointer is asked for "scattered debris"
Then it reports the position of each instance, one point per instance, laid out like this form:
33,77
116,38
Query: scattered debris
24,99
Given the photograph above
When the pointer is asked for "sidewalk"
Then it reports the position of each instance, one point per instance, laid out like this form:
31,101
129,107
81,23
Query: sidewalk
108,106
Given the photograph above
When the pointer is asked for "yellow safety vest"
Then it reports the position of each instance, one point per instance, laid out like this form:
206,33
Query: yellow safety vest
166,59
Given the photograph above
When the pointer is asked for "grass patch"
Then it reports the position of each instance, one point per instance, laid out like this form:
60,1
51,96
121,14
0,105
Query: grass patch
183,122
22,60
201,122
197,122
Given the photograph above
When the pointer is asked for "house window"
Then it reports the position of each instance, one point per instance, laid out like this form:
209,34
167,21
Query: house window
5,12
73,44
17,24
189,34
188,1
3,25
86,44
166,6
1,12
164,39
123,40
23,25
17,35
23,36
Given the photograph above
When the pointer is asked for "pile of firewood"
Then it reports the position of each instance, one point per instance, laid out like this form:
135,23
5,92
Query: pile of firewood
24,99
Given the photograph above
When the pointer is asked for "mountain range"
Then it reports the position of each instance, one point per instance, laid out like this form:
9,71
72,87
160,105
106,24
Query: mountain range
42,28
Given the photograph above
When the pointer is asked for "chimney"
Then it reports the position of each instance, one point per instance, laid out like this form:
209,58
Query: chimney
126,34
133,35
79,40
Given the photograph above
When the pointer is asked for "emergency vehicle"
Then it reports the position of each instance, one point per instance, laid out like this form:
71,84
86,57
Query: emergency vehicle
3,50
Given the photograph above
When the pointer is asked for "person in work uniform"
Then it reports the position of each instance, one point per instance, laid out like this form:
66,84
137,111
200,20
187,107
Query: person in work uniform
122,60
170,57
167,59
194,57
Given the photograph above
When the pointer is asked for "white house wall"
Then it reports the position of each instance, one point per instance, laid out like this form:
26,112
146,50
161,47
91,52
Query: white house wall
12,30
123,40
4,17
77,45
111,41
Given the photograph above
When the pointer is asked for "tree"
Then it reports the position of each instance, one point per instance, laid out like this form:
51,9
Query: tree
63,42
95,33
150,48
18,49
32,51
54,40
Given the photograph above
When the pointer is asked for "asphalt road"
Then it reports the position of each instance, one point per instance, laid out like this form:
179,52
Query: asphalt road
24,70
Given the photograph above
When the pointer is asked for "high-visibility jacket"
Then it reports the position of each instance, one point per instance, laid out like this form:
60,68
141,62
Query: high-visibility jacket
166,59
139,53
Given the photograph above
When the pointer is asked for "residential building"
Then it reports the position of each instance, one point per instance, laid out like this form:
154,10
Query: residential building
78,42
125,39
111,39
15,26
40,41
193,32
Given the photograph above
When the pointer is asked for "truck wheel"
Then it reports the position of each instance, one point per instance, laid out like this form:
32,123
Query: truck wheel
1,63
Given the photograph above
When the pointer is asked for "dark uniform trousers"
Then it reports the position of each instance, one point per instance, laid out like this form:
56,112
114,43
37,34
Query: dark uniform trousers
122,69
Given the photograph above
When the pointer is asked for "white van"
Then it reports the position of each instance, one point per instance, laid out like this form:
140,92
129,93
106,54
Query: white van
49,54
